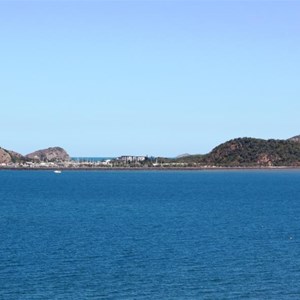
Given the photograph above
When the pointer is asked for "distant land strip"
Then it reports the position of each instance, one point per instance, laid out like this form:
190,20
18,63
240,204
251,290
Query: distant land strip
153,169
239,153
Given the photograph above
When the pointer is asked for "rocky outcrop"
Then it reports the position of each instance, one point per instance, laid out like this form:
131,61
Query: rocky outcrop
51,154
8,156
5,158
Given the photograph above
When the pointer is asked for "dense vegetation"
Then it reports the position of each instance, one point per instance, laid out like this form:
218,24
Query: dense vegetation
250,152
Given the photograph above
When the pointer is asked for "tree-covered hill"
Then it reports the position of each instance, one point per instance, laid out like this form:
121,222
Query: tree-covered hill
251,152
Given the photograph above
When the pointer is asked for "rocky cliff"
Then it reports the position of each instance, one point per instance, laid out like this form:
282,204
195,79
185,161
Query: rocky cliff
50,154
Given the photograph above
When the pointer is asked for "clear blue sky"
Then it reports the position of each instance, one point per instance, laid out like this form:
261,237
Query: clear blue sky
107,78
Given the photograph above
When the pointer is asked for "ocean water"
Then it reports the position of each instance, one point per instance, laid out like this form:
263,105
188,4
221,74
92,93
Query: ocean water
150,235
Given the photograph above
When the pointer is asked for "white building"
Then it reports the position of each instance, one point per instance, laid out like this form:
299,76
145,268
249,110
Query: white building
132,158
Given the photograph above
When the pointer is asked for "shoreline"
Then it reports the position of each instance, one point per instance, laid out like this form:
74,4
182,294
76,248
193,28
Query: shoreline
256,168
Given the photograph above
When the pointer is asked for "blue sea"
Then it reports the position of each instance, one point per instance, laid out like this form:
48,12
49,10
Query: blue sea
150,235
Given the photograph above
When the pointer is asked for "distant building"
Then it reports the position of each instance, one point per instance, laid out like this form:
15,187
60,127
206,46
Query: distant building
131,158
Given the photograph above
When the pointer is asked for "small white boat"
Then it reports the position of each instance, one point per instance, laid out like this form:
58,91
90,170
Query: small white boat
57,171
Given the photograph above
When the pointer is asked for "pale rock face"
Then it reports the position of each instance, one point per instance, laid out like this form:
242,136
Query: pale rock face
295,139
4,157
264,159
